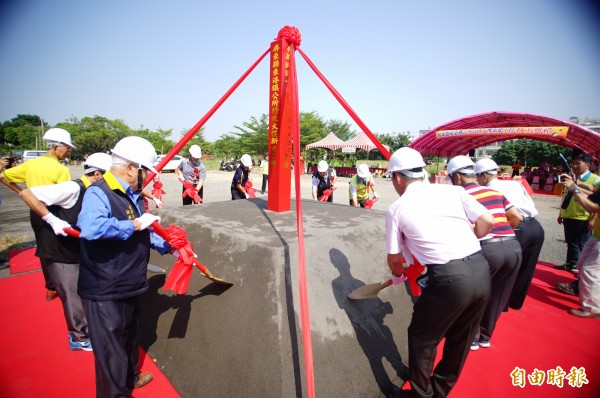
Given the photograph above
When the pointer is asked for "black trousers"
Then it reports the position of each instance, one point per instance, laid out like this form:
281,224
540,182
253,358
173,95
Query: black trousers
264,182
576,234
113,327
530,235
450,307
188,201
504,259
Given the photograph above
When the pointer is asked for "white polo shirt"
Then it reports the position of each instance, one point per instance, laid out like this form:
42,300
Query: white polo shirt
516,194
433,222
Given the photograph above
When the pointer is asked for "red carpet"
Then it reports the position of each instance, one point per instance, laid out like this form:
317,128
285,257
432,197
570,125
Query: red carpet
36,360
23,260
540,337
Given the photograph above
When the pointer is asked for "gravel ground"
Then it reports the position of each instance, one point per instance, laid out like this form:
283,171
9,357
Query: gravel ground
15,220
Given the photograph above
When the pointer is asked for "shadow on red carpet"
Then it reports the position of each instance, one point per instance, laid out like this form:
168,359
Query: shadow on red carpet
36,360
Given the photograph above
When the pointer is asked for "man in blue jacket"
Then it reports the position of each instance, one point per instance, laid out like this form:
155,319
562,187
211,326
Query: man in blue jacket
115,249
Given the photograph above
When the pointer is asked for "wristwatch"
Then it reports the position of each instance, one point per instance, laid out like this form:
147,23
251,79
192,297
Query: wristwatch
576,190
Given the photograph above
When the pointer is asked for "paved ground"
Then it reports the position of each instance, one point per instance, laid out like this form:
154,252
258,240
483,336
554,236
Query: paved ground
15,218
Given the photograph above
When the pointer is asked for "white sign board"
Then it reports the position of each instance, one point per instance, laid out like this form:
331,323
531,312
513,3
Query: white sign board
348,149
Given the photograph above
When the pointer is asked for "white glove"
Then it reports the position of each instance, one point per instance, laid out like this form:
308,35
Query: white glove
58,225
158,202
247,195
181,178
146,220
375,194
396,280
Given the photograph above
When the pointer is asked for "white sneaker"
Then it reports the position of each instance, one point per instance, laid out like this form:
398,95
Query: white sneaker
484,344
474,346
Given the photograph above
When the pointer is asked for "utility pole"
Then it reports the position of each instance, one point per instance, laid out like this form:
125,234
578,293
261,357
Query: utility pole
41,136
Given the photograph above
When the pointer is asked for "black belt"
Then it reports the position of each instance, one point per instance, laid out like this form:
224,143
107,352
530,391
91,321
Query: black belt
464,259
498,239
528,219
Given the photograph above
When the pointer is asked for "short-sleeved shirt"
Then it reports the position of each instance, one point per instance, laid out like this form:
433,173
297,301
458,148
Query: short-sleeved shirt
433,222
574,210
64,194
497,204
192,171
44,170
515,192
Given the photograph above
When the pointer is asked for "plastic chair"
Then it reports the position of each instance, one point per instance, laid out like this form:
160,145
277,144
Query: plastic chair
535,183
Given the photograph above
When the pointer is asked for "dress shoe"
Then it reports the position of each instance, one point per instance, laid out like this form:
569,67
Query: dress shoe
51,295
393,391
584,314
567,288
143,379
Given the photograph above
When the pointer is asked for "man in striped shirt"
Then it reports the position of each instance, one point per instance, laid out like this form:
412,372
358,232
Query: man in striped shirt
500,246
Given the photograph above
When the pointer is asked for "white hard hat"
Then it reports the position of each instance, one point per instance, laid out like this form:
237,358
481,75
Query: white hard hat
246,160
136,150
59,135
363,170
486,166
195,151
322,166
405,159
462,164
98,161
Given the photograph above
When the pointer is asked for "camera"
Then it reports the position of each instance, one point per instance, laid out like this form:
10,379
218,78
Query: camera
12,162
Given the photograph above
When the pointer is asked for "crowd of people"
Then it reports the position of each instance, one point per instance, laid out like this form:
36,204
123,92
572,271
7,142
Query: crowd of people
480,270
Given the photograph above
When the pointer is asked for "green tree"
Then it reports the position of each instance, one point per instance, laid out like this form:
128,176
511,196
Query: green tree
342,130
95,134
227,146
21,132
528,152
253,136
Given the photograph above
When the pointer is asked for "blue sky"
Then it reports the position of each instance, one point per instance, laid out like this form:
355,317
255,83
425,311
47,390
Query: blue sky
401,65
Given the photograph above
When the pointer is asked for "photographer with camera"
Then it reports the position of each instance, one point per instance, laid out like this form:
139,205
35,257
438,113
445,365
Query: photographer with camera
576,221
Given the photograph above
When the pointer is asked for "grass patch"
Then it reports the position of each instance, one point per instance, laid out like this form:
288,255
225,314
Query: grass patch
9,242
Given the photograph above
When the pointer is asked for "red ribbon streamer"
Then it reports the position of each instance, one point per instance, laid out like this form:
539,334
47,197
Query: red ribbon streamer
190,190
369,203
157,190
251,191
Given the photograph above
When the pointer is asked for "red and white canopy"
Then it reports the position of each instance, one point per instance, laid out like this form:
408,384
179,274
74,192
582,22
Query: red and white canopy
363,142
331,141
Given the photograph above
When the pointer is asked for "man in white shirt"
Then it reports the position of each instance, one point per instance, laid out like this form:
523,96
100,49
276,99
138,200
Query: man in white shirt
432,223
59,205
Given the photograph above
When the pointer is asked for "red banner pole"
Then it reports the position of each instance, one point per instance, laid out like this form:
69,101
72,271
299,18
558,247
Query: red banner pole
190,134
347,107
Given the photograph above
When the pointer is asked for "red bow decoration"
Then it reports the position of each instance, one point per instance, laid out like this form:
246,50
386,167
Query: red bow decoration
369,203
157,190
291,34
190,190
326,194
251,191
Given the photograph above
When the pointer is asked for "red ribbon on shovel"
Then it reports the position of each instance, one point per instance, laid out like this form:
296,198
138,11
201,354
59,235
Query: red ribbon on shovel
178,279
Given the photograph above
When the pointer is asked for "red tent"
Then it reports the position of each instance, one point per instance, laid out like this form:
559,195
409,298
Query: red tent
363,142
331,141
576,136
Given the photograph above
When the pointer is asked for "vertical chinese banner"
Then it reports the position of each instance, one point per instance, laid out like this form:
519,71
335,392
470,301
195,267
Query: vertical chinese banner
282,84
